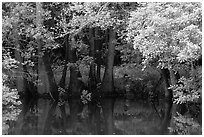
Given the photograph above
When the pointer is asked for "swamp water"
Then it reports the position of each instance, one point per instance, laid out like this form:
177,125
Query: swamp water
110,116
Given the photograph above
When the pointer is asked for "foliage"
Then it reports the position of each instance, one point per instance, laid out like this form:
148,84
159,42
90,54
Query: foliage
170,32
186,126
86,60
9,97
99,14
85,97
9,63
188,89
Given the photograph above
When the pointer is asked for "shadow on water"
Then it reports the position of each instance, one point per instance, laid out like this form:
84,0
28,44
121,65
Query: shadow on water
98,117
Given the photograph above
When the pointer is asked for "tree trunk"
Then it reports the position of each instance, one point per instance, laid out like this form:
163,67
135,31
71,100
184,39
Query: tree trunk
107,83
74,87
92,72
64,73
168,101
31,89
45,73
43,87
98,54
98,73
20,82
41,69
200,106
52,86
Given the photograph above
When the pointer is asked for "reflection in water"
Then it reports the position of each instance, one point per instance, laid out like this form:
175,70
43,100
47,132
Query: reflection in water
94,108
108,107
101,116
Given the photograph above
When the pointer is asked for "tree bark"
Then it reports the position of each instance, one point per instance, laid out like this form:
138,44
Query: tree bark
31,89
52,86
74,87
98,73
20,82
98,54
107,83
64,73
92,72
168,101
45,73
41,68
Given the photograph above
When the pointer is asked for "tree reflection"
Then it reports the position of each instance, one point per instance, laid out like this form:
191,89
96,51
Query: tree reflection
107,106
95,116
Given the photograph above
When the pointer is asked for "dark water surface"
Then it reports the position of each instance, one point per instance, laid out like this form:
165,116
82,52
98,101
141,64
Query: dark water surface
110,116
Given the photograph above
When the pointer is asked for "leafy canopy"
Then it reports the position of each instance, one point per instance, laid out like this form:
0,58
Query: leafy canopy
168,31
